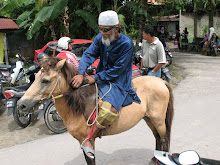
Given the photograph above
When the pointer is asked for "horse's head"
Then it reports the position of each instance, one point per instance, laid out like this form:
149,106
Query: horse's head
51,80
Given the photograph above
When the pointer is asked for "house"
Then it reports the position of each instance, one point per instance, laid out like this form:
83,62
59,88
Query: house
170,23
6,25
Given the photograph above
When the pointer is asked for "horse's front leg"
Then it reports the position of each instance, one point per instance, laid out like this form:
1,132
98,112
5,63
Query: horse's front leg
89,160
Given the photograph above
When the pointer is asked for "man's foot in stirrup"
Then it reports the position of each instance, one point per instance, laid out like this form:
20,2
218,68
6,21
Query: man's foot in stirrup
87,148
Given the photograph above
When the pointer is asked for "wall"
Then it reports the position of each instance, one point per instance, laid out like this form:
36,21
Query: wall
1,48
17,43
187,20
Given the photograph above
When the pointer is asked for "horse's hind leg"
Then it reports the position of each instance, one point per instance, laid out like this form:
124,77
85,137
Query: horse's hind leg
155,133
160,134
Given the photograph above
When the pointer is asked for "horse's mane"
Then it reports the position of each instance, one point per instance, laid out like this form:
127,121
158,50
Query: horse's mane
75,98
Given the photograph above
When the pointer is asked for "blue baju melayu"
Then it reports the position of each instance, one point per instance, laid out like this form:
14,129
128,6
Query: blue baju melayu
115,66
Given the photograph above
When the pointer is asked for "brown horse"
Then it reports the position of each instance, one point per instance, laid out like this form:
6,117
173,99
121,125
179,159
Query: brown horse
75,105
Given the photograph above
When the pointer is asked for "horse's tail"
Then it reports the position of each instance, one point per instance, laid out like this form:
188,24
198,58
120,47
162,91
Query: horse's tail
170,112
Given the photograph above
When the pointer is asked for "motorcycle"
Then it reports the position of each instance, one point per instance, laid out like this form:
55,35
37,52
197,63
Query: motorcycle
187,157
10,74
169,56
213,48
165,74
51,117
13,94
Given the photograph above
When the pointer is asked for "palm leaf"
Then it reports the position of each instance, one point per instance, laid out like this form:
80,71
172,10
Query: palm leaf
48,12
89,18
14,4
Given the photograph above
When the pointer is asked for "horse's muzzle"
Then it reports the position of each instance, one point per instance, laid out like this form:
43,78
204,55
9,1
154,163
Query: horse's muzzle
25,105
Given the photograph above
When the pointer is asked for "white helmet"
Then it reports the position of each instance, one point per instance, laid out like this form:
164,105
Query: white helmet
63,42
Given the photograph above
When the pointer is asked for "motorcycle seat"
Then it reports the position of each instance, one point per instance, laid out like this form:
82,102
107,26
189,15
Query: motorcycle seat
2,66
21,88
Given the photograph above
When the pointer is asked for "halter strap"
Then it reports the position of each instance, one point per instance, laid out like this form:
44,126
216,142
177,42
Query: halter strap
51,93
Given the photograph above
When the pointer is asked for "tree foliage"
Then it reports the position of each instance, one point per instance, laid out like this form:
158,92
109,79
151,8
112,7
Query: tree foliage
51,18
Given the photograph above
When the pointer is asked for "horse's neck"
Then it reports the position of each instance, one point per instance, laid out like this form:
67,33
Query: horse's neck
76,124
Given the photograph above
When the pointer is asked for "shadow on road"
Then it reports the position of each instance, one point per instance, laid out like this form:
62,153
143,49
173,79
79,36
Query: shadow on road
131,156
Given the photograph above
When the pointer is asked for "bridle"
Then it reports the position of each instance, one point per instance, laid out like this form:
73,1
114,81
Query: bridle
51,93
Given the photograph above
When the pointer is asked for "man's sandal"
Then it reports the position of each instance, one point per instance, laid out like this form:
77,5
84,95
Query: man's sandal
87,150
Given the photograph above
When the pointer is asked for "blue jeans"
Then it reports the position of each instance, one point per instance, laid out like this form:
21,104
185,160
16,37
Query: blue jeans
156,74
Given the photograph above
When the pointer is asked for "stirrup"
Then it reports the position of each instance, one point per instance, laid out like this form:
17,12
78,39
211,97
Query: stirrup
87,150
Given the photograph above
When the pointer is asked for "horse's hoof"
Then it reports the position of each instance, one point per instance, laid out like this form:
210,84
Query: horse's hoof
153,161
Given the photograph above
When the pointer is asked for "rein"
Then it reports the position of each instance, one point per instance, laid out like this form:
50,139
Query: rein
95,111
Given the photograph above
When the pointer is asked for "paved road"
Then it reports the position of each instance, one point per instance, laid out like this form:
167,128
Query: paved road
196,126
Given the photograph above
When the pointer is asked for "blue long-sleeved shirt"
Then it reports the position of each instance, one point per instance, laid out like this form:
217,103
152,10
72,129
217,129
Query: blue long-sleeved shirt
115,66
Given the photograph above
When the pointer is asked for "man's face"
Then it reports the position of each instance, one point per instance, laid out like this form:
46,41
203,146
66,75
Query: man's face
145,36
70,47
108,34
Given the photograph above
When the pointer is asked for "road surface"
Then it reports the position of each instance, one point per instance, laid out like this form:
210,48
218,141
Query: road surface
196,126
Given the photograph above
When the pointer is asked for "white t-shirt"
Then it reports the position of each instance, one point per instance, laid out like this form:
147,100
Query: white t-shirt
153,54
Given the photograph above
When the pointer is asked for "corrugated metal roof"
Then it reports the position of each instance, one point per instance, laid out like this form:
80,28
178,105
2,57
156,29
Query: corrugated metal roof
6,23
156,2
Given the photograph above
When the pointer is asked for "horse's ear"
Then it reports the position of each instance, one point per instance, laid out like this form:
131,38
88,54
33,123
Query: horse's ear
60,64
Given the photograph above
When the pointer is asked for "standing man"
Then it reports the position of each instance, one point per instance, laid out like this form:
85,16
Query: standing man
153,54
113,74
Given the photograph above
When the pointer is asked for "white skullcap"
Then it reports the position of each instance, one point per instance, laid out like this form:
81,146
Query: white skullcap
108,18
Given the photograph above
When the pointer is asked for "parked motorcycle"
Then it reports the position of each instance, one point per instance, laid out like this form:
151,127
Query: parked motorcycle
13,94
185,158
10,74
213,48
51,117
165,74
169,56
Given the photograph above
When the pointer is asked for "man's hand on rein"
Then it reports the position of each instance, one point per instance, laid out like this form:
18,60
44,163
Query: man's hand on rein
90,79
77,81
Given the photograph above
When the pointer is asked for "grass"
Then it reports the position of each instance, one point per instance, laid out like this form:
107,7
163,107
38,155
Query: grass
177,73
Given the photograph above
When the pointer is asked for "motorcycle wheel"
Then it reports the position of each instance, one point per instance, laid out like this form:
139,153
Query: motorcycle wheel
53,120
164,77
22,119
2,107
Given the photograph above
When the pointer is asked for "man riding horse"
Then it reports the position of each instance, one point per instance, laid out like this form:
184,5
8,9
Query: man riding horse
113,74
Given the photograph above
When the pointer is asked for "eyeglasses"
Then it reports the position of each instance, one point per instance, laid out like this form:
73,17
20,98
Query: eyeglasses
106,29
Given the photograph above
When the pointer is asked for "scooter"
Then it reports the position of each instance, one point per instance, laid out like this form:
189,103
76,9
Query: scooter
10,74
51,117
13,94
185,158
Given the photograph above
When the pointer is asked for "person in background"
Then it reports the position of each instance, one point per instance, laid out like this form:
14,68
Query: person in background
175,46
153,54
212,39
178,38
114,71
184,40
64,43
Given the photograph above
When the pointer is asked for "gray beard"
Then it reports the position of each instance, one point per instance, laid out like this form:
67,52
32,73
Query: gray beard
108,41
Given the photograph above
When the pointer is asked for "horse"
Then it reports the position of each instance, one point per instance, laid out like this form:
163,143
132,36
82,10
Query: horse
74,105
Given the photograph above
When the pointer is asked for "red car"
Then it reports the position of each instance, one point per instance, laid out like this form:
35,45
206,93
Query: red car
79,46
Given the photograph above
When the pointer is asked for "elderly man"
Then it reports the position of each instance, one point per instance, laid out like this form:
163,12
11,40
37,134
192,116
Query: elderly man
113,74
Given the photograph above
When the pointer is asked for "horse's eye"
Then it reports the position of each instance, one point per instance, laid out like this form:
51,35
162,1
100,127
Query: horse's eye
45,81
